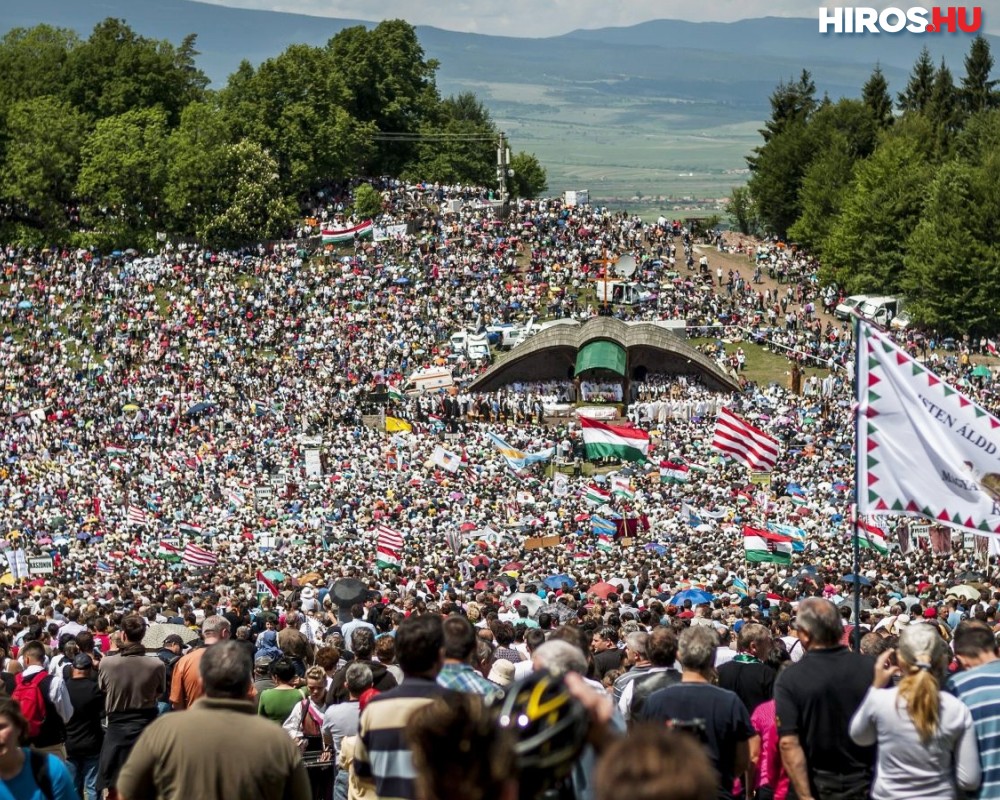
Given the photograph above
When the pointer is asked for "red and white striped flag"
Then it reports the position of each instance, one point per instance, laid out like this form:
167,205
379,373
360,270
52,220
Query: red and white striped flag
198,556
741,440
388,548
135,516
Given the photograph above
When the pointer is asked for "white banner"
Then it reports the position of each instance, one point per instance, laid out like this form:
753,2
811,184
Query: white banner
314,469
41,565
923,449
597,412
383,232
560,484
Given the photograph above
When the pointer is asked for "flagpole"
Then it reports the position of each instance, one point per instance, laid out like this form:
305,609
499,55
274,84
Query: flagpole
856,539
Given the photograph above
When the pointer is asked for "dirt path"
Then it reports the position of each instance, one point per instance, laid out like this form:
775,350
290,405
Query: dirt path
744,265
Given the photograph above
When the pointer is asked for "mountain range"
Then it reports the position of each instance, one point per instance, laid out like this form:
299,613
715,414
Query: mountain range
665,108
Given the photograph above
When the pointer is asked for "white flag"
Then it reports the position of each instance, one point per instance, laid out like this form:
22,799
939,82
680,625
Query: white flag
560,485
446,459
923,448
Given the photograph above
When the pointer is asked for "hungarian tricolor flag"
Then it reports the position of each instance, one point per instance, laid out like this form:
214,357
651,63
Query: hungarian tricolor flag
168,552
763,546
871,536
614,441
674,472
596,495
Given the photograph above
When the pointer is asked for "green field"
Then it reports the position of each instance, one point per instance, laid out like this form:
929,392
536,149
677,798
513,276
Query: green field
654,155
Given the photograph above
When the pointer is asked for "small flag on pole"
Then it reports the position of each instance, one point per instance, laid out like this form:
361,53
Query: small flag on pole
265,585
763,546
198,556
596,495
741,440
168,552
135,516
871,535
388,548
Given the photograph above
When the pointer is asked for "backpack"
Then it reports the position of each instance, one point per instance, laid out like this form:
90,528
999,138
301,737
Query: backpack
40,772
28,695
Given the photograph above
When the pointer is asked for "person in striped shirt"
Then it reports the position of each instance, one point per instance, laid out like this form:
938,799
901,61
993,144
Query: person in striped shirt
383,762
978,686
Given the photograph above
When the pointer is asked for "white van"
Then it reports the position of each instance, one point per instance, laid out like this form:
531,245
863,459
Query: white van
430,379
850,304
880,310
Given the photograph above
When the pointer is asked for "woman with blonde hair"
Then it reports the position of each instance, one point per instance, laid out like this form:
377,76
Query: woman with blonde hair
926,742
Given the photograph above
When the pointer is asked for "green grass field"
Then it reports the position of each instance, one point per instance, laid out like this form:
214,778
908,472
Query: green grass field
655,155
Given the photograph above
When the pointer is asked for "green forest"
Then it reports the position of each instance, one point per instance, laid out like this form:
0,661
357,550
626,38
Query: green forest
110,140
893,195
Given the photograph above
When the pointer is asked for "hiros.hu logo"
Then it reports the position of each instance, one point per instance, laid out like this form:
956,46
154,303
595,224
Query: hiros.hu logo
861,19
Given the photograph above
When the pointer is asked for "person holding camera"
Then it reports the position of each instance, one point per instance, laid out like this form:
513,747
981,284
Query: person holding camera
696,705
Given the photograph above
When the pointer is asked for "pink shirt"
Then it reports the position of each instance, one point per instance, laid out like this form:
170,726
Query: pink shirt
770,771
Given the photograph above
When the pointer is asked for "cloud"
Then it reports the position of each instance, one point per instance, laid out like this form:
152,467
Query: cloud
546,17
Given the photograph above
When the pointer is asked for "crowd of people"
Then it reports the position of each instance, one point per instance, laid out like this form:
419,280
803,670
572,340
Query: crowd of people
180,568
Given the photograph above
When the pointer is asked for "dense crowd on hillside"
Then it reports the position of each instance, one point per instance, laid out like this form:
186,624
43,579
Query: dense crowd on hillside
160,412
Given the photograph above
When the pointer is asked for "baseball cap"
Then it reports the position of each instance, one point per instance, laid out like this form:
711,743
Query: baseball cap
83,661
930,613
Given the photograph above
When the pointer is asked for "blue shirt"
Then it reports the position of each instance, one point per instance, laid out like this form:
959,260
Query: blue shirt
979,689
23,787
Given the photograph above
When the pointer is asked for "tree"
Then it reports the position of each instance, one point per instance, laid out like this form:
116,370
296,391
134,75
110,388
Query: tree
116,70
389,83
875,95
978,91
741,211
774,184
867,242
842,133
460,144
943,109
196,160
249,208
294,107
43,158
791,103
33,62
529,179
124,171
917,95
367,202
952,261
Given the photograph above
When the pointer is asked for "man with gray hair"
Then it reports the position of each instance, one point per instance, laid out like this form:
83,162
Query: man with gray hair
717,716
814,702
196,754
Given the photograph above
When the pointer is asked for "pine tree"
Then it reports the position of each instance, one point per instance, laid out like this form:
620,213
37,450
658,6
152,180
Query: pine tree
918,90
791,102
978,92
876,97
943,108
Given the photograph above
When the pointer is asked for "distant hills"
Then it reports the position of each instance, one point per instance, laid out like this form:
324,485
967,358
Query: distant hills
664,108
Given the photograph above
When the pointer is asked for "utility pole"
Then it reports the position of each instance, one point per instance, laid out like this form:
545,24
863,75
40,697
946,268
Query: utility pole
503,171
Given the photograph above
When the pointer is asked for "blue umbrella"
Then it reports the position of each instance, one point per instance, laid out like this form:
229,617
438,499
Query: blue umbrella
558,581
696,596
851,578
402,281
25,304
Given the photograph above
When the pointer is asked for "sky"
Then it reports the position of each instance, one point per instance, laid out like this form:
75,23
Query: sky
555,17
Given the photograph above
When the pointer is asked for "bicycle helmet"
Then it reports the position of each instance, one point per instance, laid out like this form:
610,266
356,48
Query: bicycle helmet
549,727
